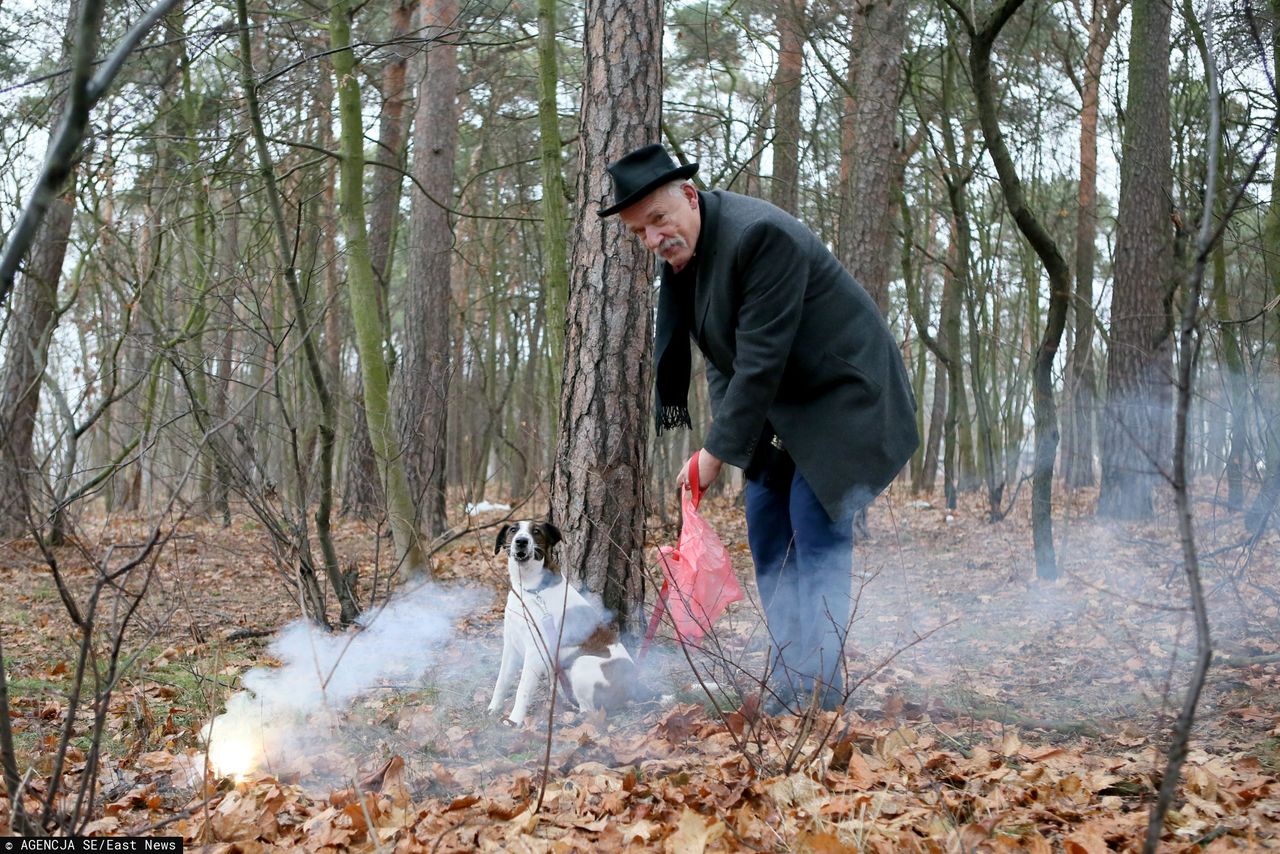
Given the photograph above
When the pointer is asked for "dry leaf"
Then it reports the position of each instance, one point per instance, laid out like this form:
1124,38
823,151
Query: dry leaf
1085,842
693,833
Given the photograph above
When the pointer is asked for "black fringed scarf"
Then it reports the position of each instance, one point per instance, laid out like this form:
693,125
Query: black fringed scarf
671,344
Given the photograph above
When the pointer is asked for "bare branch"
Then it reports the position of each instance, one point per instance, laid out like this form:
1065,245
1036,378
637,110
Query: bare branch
63,149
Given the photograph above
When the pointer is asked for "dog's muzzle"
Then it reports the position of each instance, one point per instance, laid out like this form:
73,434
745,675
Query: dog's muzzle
522,549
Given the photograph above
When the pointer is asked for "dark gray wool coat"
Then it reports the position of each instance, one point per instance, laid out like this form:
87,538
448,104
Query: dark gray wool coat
791,337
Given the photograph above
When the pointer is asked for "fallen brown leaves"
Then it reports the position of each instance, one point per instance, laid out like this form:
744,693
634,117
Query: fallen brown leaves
682,787
1034,726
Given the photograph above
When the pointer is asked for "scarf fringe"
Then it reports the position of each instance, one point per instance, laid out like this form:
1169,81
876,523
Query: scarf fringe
671,417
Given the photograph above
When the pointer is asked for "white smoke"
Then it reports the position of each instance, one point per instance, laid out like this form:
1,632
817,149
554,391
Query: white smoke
286,711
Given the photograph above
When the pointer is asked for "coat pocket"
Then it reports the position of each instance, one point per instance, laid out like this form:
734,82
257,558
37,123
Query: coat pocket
842,371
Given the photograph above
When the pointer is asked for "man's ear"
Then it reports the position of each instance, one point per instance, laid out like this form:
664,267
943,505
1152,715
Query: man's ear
552,533
502,538
691,194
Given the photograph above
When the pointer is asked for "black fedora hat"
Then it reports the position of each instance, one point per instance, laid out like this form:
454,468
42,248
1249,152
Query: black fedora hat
639,173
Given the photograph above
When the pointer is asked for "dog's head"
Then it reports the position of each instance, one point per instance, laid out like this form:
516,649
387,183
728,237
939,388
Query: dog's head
528,540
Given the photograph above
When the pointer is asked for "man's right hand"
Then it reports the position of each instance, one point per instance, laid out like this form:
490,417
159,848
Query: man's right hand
708,470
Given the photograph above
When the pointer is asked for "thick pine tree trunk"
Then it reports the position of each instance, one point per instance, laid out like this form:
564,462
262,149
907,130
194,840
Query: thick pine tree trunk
600,472
1136,439
423,378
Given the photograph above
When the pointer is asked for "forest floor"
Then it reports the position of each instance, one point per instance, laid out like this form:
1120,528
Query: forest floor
991,711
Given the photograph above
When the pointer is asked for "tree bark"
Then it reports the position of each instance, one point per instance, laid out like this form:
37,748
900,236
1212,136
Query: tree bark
599,478
363,295
784,187
1136,438
362,491
1264,504
555,218
866,204
1081,383
31,326
423,378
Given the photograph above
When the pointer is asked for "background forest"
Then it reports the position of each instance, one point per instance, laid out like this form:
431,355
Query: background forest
308,262
224,289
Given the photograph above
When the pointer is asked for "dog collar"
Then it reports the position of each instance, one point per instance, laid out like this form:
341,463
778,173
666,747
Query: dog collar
548,579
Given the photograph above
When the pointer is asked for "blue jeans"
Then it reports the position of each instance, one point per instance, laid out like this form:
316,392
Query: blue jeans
804,569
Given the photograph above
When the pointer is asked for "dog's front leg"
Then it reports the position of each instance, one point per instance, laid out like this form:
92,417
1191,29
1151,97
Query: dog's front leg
534,671
511,654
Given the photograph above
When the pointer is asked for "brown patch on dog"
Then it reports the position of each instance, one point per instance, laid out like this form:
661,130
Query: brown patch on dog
597,643
619,679
545,538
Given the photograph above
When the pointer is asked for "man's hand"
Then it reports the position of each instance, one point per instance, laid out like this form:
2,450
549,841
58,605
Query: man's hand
708,470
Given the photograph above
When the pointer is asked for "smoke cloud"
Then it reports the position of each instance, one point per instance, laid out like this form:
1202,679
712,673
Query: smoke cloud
287,712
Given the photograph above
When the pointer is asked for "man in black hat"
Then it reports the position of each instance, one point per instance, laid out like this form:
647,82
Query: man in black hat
809,395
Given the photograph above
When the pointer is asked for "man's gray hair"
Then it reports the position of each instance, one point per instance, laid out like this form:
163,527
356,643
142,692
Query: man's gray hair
675,187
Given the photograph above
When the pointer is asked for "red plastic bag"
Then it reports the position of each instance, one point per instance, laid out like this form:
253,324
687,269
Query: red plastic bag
698,578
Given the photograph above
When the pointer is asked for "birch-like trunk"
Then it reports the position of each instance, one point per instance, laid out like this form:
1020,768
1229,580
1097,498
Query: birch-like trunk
362,291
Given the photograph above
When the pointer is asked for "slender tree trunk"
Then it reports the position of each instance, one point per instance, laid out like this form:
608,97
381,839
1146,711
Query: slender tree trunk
363,294
1235,381
1264,504
393,130
1045,407
362,491
228,260
555,218
866,204
960,256
937,424
784,187
949,339
30,330
598,482
918,305
311,351
423,379
1136,426
31,326
1081,384
199,278
919,299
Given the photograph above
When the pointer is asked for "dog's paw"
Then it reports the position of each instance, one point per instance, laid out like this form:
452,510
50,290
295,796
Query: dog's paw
493,709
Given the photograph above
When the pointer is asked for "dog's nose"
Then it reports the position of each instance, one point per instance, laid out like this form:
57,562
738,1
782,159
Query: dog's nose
521,546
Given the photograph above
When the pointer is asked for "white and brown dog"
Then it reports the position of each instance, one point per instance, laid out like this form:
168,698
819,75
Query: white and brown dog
550,627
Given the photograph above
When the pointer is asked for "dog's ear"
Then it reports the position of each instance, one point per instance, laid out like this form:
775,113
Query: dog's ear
502,538
552,533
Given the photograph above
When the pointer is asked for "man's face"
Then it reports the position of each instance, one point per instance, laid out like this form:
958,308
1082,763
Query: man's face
667,223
